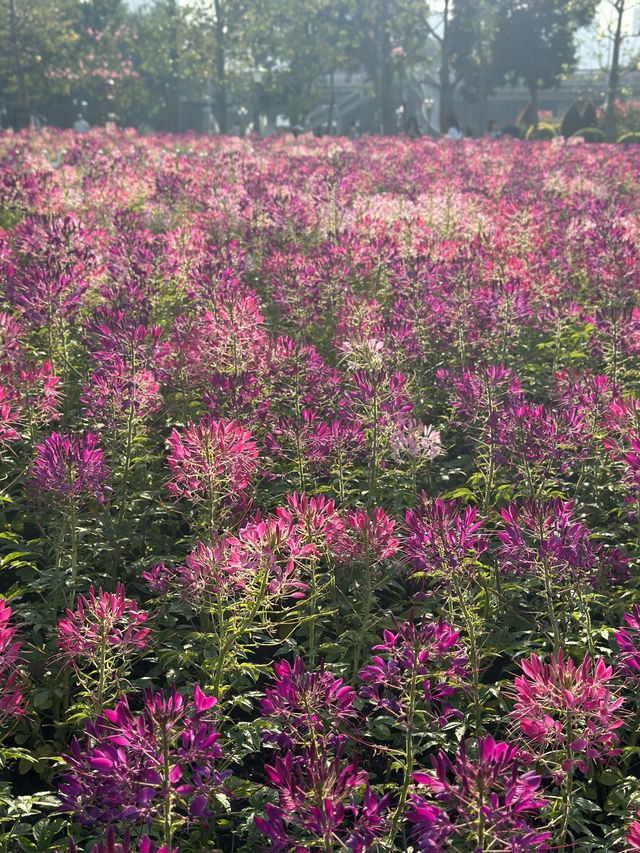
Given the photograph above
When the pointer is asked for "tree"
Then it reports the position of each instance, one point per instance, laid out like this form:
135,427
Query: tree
472,34
390,35
535,41
299,52
221,33
34,34
617,35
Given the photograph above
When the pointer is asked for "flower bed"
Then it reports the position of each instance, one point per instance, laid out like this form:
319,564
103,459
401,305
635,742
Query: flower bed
320,495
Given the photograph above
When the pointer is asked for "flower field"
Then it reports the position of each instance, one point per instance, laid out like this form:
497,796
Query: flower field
320,495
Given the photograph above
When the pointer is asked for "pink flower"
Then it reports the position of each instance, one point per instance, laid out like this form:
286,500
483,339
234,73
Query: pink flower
211,458
10,686
107,619
302,702
560,706
628,641
633,836
70,467
113,390
489,788
366,538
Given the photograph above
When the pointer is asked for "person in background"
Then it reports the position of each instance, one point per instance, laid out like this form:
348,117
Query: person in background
511,129
81,125
453,128
413,129
493,130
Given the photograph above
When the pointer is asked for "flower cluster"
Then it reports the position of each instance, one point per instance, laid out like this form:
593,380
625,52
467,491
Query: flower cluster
317,800
10,679
69,467
421,653
564,709
443,545
131,767
213,459
305,705
480,803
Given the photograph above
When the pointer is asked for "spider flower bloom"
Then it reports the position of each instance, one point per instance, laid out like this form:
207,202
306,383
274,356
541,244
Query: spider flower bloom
443,539
429,651
546,533
366,538
10,686
628,641
633,835
106,621
316,519
211,458
114,391
302,702
483,801
130,763
69,467
561,706
414,439
7,417
317,797
266,550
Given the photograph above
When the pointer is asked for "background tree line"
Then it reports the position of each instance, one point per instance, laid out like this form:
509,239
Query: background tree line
100,56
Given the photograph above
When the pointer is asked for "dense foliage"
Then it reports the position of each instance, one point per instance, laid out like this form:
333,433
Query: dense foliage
320,495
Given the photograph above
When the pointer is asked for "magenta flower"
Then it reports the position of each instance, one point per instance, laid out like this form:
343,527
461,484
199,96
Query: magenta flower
428,651
267,550
443,544
365,538
10,679
628,641
315,519
130,765
304,702
114,390
69,467
482,802
318,800
633,835
563,707
106,622
546,533
37,391
211,458
8,417
475,394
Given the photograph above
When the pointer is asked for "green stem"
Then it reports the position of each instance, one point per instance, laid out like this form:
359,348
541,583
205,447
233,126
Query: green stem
566,808
314,609
374,455
474,659
367,601
103,663
409,757
74,554
168,798
548,592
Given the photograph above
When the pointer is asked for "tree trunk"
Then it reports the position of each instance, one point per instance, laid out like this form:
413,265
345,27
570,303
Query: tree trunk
614,77
221,71
533,94
446,88
173,95
332,102
387,116
21,82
